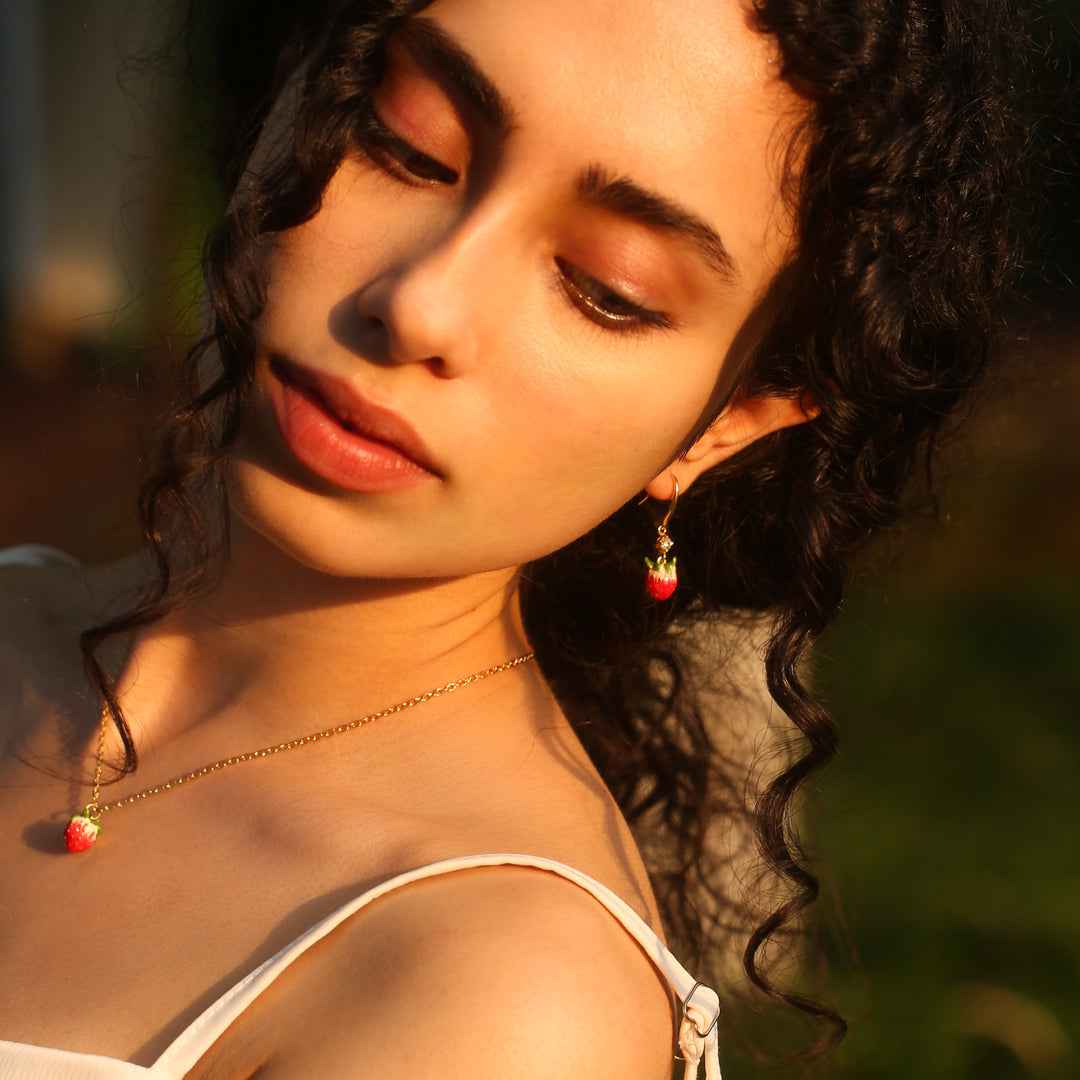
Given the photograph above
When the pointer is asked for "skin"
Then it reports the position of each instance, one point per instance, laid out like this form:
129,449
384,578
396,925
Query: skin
471,308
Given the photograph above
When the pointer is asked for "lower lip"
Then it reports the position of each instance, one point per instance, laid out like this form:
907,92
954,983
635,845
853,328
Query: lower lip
346,458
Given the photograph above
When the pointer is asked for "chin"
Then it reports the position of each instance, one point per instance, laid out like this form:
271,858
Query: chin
274,520
278,524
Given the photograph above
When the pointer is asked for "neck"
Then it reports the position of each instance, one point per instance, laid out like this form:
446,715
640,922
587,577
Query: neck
273,633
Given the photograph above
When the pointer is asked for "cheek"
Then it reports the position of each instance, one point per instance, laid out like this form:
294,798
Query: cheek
333,253
582,438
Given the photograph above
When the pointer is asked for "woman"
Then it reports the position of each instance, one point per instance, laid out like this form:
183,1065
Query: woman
494,272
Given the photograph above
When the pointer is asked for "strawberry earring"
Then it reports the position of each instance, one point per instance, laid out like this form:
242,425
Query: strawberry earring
661,578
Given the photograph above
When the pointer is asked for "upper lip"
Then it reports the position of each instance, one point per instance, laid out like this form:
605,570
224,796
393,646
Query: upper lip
350,406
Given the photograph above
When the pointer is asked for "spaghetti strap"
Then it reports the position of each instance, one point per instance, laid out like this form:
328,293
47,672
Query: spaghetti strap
698,1036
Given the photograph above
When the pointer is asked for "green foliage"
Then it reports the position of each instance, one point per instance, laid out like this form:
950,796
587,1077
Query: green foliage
950,829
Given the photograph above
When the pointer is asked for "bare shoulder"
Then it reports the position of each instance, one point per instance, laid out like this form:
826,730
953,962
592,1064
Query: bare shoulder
481,973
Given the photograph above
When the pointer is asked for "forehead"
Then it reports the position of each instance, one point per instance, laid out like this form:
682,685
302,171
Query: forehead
682,96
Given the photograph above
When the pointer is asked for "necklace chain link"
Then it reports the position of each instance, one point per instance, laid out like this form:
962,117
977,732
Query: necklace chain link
94,810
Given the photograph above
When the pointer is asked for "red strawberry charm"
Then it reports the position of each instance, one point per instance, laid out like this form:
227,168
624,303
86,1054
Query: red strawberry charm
661,578
81,832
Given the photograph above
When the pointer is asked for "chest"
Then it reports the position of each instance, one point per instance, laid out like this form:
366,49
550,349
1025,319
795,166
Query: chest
188,891
180,898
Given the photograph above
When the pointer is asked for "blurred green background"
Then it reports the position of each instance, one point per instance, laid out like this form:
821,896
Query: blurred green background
947,833
950,826
949,829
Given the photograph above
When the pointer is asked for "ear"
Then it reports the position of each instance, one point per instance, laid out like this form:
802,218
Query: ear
743,421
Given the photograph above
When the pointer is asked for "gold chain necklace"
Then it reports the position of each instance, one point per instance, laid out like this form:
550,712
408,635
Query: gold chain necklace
82,830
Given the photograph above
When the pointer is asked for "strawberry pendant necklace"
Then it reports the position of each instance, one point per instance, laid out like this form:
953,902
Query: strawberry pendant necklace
83,828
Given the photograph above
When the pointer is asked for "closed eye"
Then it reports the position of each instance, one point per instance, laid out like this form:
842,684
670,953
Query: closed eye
603,305
401,159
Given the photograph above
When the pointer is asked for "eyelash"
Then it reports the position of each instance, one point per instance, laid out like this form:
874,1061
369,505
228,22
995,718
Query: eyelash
604,306
599,303
400,158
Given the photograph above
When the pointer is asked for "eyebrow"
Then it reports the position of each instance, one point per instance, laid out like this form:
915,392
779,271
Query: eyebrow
440,51
597,187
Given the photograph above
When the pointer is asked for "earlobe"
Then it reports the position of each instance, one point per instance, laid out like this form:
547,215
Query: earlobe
743,421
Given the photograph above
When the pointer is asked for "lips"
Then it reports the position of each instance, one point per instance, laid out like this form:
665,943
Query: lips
343,437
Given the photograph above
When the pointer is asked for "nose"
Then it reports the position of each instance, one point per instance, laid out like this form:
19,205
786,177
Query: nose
428,304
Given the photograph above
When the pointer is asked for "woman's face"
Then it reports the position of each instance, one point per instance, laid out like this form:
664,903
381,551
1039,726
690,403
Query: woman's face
517,302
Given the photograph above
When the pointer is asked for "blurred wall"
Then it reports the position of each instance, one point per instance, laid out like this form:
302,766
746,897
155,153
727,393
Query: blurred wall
79,191
22,212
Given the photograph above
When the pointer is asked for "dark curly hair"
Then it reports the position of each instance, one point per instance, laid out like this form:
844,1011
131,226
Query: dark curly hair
884,317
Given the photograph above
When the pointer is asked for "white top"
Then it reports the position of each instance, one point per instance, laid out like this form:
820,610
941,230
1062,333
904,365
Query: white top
36,555
697,1033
